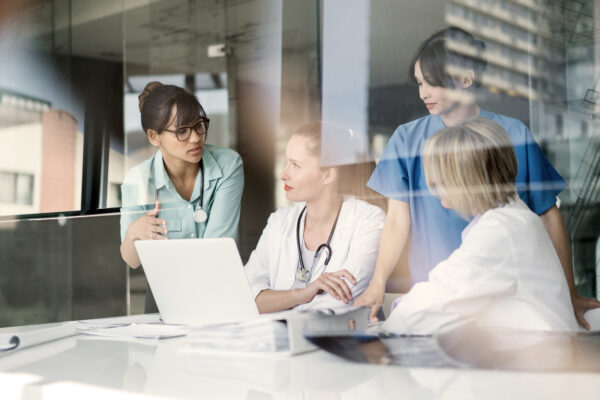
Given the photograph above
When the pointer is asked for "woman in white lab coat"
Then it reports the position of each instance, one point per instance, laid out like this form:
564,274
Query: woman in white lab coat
321,252
506,273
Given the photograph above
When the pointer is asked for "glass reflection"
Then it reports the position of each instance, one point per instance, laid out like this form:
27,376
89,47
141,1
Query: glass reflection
281,65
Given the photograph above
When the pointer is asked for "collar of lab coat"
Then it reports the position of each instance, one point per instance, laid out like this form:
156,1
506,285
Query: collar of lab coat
515,203
344,222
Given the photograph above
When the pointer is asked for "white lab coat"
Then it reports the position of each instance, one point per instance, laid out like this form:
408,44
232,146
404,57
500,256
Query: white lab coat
505,274
355,243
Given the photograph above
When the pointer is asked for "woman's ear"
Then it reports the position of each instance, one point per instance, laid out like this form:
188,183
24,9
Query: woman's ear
330,175
153,137
467,79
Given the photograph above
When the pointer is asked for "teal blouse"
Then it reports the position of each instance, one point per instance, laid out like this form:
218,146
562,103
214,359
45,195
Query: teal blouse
223,186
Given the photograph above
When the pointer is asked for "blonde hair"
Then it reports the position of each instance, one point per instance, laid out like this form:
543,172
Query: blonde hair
473,165
352,176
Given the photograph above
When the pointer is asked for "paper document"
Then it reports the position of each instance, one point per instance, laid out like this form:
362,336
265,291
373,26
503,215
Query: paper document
252,336
104,323
139,331
30,337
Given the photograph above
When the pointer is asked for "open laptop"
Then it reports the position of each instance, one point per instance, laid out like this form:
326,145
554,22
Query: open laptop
197,281
202,282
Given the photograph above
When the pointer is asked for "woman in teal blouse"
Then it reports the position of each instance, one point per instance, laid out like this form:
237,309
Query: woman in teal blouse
188,189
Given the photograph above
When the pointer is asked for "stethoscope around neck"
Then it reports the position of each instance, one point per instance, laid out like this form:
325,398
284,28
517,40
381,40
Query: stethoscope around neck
302,273
200,215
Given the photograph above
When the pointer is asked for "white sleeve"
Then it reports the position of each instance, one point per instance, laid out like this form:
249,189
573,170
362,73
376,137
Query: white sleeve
461,286
360,261
257,269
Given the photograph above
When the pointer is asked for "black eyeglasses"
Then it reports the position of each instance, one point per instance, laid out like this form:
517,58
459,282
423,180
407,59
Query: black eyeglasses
184,132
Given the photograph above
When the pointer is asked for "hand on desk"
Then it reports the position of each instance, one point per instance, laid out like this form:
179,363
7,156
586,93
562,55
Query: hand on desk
149,227
580,306
332,283
372,297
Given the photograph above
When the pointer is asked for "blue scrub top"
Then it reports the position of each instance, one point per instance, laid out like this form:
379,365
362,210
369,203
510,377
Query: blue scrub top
223,187
435,230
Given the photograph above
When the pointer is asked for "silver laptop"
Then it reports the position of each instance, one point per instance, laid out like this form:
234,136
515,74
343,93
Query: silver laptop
197,281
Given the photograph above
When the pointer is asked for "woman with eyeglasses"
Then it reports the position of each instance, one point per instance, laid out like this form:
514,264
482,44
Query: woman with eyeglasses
187,189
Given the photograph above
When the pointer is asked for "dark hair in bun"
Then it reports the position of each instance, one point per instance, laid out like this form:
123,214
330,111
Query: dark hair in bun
157,100
146,92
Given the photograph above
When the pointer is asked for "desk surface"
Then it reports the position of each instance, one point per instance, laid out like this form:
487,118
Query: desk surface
93,367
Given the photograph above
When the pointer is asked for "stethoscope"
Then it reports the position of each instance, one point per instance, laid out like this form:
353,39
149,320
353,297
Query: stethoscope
303,274
200,215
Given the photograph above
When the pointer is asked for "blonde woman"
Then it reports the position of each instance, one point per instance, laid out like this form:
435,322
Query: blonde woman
506,273
319,253
447,82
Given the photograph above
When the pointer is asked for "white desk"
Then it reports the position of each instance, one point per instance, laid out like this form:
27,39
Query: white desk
86,367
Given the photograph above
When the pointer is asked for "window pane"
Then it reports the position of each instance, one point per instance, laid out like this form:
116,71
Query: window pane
8,192
41,116
55,96
169,41
262,69
24,189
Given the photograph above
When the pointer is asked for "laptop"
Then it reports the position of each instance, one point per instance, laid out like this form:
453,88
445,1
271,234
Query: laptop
201,282
197,281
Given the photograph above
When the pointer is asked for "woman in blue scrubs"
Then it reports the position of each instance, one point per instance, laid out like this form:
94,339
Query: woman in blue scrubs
188,189
446,80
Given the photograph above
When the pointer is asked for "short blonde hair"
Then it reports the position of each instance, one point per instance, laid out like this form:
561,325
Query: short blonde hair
474,163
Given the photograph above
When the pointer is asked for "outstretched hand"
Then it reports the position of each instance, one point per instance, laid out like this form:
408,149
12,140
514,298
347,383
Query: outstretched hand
581,305
149,226
372,297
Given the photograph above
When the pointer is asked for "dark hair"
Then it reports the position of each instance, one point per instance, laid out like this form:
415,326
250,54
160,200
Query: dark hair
157,100
434,56
353,170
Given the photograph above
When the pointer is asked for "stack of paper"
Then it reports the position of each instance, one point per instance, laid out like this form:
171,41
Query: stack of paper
252,336
144,326
139,331
115,322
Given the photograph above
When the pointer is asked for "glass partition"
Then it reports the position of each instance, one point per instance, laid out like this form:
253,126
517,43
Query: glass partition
70,120
59,130
60,269
41,122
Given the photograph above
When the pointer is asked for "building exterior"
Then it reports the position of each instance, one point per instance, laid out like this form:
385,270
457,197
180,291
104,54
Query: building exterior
41,159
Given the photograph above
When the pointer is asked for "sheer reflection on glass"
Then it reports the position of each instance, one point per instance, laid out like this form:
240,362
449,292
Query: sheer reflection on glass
61,268
264,68
469,346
